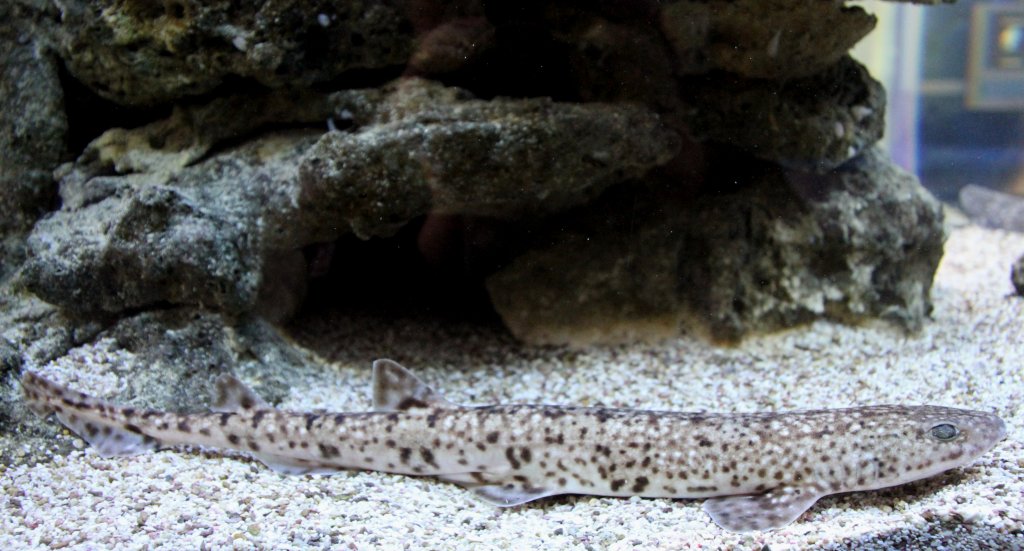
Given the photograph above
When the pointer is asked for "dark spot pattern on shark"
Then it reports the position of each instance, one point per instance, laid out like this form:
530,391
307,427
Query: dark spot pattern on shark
757,471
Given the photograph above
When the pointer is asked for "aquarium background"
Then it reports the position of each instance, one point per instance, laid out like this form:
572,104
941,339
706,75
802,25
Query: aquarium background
955,81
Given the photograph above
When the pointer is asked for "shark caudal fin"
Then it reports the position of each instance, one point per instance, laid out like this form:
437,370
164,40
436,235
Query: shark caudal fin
100,424
40,394
395,388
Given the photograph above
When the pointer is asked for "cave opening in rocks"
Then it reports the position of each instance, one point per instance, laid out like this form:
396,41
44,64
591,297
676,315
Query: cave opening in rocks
89,114
433,267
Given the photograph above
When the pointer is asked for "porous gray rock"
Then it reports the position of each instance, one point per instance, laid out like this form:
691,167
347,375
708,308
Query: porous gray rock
198,236
177,353
194,131
141,249
770,39
34,133
763,39
217,206
143,53
181,222
784,248
602,274
429,148
33,332
860,242
816,122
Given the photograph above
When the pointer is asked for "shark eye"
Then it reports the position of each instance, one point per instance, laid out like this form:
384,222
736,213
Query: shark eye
944,432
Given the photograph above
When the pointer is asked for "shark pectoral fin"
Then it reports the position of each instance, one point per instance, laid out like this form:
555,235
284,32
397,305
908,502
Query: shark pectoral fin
395,388
107,438
232,395
509,495
770,510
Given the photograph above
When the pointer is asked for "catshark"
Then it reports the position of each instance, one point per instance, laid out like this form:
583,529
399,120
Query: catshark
757,471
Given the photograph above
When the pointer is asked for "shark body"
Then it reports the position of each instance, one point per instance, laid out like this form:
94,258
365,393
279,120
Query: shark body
757,471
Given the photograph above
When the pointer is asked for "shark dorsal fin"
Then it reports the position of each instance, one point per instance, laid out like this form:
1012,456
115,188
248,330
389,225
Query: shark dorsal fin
232,396
395,388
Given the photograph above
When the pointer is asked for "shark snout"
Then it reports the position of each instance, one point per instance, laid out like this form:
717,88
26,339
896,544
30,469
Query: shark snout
990,430
998,428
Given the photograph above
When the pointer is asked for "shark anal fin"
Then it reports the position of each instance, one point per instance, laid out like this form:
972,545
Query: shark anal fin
232,395
770,510
498,488
395,388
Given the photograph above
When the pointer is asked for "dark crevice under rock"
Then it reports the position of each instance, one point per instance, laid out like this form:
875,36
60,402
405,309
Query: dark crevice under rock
434,267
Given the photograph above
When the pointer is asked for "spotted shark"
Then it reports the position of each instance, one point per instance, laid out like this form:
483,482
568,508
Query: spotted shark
757,471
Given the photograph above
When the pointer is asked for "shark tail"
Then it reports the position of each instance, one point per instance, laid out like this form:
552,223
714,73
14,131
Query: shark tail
99,423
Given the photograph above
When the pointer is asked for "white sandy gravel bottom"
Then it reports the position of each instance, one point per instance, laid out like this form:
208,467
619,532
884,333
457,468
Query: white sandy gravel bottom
969,355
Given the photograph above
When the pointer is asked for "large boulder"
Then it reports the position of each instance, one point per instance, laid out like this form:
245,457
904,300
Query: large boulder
780,249
772,39
143,53
816,122
33,137
420,147
198,236
167,214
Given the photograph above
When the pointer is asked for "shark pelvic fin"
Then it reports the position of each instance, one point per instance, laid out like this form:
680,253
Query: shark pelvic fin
767,511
